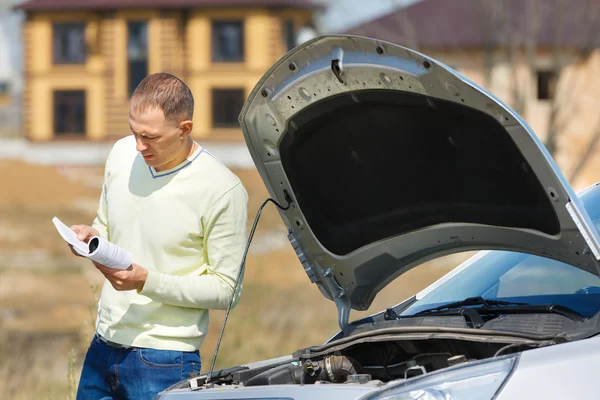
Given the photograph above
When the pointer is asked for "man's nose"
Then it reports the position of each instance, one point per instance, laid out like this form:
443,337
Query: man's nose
140,146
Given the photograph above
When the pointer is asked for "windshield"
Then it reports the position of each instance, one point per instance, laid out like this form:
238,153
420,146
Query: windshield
511,276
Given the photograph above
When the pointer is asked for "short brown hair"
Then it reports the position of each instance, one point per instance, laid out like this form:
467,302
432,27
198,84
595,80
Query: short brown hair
165,92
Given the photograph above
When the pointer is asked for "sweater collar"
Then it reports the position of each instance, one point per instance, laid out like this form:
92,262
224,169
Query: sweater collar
159,174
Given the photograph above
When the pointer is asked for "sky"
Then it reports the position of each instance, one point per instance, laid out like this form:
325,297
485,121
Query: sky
344,14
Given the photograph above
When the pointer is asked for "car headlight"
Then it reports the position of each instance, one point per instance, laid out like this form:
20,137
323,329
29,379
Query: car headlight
471,381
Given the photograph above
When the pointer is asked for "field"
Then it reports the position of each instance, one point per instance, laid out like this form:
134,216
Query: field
48,297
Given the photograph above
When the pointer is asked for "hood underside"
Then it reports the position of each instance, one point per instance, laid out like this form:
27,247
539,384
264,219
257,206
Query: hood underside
389,159
364,182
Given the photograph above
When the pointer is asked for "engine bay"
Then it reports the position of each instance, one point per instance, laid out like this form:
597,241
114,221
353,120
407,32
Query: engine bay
371,360
377,350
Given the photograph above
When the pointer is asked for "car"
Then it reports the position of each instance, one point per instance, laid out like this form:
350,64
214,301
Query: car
382,159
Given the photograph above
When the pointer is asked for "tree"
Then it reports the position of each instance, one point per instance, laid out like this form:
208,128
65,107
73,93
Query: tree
567,31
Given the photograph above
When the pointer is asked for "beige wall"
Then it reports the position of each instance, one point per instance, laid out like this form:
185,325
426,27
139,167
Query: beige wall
580,105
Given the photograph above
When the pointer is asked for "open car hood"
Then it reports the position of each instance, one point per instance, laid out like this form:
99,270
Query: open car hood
390,158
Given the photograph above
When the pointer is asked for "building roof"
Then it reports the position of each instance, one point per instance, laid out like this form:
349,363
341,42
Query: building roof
63,5
472,24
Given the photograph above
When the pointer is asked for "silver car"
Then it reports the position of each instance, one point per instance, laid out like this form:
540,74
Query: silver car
384,159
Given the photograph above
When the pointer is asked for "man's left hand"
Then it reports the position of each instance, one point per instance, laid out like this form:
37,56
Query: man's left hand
132,278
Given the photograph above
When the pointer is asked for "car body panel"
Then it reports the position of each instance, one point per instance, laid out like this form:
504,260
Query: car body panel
564,371
283,122
275,392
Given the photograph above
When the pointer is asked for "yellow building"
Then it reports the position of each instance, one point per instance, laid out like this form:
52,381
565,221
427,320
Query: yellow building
84,58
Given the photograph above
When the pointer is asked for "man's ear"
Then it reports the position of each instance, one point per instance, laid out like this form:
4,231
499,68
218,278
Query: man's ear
185,129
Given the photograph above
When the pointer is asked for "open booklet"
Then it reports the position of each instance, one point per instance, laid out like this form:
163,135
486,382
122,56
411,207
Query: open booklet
97,249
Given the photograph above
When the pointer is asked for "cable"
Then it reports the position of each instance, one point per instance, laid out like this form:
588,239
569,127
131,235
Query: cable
242,265
517,345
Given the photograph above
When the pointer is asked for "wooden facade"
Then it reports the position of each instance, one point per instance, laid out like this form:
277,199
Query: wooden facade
69,95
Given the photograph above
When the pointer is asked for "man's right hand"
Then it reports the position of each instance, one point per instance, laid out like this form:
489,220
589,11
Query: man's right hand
84,233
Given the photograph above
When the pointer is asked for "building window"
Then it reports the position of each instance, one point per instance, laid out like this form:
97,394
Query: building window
4,88
227,41
68,43
69,112
137,53
289,34
226,105
546,84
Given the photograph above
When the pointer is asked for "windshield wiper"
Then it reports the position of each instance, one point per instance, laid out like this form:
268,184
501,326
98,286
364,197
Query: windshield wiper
457,308
488,307
471,301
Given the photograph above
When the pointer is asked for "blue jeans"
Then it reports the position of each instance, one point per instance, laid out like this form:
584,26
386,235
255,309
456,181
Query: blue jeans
133,373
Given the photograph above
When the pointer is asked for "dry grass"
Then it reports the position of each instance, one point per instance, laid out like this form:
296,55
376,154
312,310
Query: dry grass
48,297
34,366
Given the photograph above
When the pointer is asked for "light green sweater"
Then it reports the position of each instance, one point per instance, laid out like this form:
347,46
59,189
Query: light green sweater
187,227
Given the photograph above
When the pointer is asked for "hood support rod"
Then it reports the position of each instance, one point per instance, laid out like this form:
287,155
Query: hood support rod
239,276
340,297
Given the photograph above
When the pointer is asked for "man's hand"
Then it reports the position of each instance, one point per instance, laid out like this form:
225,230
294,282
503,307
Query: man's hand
84,233
132,278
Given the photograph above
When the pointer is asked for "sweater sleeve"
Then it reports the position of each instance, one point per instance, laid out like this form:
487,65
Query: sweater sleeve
224,243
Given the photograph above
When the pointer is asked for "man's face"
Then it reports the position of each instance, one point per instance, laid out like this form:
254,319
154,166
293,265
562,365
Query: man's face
162,143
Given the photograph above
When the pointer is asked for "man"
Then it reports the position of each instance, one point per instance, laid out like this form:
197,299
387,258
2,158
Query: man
183,216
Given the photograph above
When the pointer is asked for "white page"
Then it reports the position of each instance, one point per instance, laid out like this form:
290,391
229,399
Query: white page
71,237
106,253
110,255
